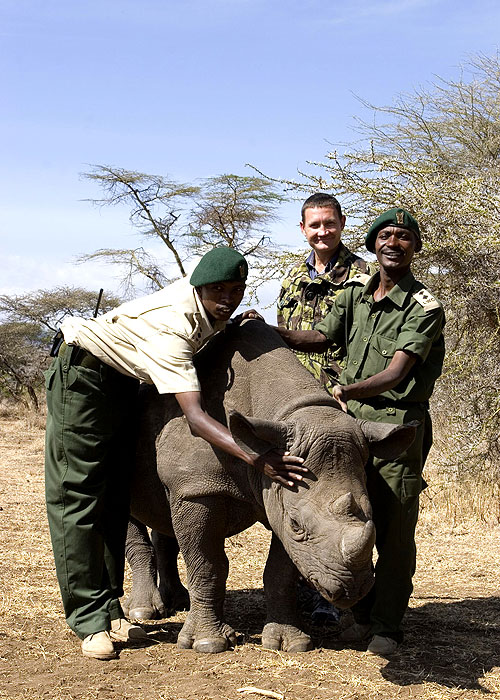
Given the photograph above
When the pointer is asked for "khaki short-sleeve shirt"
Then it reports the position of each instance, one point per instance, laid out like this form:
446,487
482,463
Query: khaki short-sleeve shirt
152,338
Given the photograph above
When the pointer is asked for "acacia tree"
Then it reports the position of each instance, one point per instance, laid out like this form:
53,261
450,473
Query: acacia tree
155,204
29,322
226,210
22,361
47,308
436,152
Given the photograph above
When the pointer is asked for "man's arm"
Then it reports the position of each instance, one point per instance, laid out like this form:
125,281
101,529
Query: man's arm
400,365
305,341
283,468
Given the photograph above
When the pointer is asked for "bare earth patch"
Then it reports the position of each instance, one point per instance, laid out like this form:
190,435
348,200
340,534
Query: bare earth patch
452,646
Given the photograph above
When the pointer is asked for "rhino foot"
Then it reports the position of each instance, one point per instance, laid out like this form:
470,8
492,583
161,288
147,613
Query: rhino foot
206,644
148,606
153,603
145,613
285,638
211,646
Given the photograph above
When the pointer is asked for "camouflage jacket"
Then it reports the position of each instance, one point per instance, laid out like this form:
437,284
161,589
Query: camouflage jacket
304,302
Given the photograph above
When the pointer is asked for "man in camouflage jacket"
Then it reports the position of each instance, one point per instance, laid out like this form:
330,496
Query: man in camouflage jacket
309,289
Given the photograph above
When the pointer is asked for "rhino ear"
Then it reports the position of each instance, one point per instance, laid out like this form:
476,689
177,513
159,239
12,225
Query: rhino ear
388,441
256,435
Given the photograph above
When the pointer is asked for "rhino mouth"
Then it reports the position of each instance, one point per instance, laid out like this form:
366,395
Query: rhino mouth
334,595
342,595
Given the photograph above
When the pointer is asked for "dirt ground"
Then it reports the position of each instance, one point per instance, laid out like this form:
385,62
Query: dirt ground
452,646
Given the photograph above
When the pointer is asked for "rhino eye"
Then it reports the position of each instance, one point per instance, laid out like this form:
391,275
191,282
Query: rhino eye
298,531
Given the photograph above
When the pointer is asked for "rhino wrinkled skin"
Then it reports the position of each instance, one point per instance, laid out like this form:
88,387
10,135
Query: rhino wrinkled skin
184,487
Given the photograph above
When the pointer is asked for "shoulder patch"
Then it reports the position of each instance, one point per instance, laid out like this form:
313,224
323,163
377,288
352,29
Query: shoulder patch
360,278
426,300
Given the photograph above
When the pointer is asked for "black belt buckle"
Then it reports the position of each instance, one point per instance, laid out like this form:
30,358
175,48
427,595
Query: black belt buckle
57,341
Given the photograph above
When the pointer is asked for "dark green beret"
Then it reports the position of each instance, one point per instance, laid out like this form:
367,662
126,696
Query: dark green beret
220,265
393,217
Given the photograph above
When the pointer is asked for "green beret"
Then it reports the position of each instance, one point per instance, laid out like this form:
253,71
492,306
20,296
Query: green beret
393,217
220,265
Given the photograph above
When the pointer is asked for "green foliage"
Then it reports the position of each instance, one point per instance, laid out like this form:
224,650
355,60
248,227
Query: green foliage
234,211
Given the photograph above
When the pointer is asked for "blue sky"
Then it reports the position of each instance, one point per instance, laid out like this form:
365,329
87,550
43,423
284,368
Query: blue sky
192,89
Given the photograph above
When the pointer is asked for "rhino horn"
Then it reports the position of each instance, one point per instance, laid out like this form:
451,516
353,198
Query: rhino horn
344,505
357,543
388,441
256,435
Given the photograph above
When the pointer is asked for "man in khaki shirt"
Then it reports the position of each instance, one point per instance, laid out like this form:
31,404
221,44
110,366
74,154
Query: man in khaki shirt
152,338
91,391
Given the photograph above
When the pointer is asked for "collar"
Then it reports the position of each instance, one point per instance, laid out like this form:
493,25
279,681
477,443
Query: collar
398,294
310,263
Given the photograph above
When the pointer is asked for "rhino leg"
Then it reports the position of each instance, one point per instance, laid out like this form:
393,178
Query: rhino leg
173,594
144,602
282,629
201,527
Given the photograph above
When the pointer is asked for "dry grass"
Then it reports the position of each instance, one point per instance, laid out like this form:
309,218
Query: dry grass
452,648
468,501
15,411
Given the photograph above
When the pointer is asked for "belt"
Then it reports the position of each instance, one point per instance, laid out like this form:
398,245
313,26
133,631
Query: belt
382,402
79,356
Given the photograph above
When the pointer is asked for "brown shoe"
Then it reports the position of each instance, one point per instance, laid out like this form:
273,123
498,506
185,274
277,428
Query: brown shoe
382,646
99,646
124,631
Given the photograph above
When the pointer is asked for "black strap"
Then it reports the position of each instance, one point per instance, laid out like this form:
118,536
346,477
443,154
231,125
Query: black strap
57,341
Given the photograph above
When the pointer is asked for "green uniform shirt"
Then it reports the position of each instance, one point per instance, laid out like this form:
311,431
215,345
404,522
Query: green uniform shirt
303,302
408,318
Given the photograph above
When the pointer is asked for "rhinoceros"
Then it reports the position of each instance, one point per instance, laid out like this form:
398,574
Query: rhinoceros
187,489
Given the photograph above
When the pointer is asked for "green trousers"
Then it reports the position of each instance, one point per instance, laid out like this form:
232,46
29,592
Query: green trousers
88,456
394,488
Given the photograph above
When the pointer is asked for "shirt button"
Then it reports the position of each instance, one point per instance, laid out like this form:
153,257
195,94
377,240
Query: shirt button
391,411
354,362
384,352
365,339
373,315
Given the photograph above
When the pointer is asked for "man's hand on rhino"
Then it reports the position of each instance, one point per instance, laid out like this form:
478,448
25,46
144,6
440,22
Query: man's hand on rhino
338,394
250,313
281,467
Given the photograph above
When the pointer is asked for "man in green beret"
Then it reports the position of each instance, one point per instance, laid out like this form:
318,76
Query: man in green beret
91,396
390,326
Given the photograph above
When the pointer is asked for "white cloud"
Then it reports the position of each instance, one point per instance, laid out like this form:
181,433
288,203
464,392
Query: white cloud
21,274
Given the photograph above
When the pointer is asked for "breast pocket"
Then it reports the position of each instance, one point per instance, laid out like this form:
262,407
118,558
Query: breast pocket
323,306
382,352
